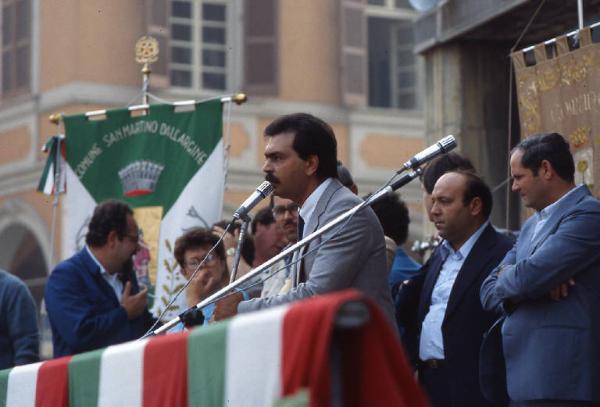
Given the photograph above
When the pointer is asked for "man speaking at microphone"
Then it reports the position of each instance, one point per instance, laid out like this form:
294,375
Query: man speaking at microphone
301,163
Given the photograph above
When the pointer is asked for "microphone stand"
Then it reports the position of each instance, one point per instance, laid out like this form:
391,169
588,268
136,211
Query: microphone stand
405,179
238,249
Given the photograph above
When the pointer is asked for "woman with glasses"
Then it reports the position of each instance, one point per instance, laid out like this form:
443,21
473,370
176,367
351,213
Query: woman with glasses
211,272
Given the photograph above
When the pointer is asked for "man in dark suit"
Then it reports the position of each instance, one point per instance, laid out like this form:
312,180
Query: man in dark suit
441,304
301,163
93,299
549,283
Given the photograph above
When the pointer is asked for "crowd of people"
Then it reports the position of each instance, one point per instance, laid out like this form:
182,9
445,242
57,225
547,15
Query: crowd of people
489,319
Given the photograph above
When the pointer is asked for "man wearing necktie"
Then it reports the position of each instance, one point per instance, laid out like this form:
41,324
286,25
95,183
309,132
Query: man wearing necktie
301,163
548,285
440,306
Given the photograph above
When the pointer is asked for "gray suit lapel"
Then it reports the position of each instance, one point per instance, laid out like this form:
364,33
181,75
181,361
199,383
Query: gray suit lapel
315,219
314,223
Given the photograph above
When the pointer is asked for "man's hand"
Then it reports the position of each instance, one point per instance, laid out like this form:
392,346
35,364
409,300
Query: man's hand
227,306
134,304
562,291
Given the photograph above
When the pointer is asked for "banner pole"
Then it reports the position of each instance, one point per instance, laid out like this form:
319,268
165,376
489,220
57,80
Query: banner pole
57,178
237,98
580,13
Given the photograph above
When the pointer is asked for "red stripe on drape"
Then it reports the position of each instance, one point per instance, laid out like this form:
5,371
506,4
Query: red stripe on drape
165,371
373,370
52,387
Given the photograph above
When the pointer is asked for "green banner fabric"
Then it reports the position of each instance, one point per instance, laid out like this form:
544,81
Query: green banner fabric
166,164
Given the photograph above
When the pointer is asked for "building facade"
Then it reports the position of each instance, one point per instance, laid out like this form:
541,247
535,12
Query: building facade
349,62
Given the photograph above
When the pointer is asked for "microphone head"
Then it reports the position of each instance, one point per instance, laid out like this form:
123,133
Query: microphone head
448,143
265,189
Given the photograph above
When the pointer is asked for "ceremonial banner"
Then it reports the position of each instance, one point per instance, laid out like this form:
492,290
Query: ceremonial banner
561,93
167,165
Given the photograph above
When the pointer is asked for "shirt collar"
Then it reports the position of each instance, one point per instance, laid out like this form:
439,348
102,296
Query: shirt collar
465,249
310,204
550,209
102,269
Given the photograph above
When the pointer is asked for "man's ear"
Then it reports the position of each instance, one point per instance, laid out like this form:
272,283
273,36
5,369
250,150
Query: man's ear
476,206
112,239
312,165
546,170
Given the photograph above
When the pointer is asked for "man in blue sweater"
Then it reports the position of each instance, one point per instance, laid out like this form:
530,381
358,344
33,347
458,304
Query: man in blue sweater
19,342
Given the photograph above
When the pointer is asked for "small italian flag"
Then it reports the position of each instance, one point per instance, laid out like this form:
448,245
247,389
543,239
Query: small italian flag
257,359
54,176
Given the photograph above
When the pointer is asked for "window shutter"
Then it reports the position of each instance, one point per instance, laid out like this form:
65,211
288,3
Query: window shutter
260,51
353,57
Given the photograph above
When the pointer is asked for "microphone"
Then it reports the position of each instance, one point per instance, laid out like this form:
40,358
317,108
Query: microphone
441,147
265,189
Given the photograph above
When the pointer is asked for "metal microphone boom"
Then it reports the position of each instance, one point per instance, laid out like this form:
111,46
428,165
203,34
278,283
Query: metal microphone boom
405,179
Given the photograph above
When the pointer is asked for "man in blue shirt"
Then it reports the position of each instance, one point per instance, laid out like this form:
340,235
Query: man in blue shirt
440,306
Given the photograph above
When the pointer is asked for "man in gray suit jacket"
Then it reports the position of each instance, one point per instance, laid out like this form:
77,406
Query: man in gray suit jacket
301,163
549,283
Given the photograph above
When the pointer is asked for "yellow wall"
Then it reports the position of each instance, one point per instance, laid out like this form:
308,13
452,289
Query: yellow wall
91,40
388,151
309,51
15,145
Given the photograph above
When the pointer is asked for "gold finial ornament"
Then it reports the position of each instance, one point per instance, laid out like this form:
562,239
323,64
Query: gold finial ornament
55,118
239,98
146,50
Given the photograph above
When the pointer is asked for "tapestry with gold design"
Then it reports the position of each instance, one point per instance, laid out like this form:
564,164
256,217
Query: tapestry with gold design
560,93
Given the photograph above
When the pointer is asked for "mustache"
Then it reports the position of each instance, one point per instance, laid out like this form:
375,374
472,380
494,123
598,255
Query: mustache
271,178
291,223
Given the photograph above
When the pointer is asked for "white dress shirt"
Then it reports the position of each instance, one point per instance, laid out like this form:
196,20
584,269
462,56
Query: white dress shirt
544,214
308,207
112,279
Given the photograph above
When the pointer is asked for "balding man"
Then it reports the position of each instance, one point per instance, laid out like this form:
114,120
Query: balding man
441,303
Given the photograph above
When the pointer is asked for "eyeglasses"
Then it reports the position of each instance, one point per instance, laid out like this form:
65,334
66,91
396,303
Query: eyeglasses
134,237
194,262
280,210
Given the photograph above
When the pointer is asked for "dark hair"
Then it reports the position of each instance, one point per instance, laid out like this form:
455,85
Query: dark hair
264,216
108,216
196,238
247,245
551,147
475,187
441,165
393,216
312,136
344,176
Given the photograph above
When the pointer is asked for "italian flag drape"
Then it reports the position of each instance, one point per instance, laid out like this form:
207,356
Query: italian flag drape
250,360
53,177
166,164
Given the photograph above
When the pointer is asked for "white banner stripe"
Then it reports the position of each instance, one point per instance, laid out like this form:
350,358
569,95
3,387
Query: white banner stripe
199,204
253,358
49,181
122,375
22,383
